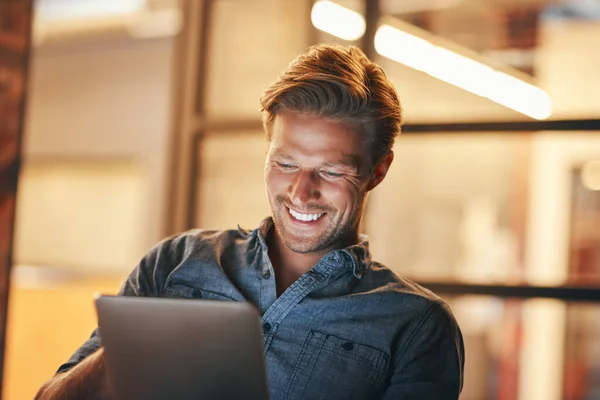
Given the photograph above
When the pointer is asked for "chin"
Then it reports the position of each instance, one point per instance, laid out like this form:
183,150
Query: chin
302,249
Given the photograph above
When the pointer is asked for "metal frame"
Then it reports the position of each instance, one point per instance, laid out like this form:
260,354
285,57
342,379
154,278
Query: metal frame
565,293
189,78
506,127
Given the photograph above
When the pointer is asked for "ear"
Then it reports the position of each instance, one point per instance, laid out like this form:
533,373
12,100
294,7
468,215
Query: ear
380,171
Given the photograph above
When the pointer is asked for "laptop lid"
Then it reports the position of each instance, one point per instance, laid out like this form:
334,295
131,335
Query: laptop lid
157,348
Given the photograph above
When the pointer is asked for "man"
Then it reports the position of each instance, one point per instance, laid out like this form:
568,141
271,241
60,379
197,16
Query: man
336,324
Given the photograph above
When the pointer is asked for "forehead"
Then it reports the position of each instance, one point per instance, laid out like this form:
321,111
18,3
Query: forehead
311,136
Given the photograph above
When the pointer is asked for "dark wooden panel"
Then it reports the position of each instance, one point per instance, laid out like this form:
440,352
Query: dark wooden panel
15,26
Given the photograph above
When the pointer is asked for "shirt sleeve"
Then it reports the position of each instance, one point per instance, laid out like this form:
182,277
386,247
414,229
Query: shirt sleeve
147,279
430,365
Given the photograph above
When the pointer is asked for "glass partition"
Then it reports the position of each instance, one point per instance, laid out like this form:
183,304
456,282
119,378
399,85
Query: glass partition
450,60
528,349
250,43
502,208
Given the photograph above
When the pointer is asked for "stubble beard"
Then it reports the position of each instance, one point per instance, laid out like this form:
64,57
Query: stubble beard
328,237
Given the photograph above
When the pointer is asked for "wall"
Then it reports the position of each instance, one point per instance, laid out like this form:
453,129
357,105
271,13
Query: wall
91,192
100,104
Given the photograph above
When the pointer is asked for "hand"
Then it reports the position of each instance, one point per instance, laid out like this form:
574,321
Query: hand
86,380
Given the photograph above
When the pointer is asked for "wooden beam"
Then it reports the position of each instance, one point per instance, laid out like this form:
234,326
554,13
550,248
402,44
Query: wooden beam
15,34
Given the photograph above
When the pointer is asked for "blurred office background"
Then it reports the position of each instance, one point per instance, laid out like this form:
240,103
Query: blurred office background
142,120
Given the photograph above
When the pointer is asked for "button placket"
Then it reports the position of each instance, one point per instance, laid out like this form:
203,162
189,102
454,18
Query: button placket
268,290
269,331
308,282
266,328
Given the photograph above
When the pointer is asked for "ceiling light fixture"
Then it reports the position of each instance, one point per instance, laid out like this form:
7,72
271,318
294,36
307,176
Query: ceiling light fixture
336,20
463,72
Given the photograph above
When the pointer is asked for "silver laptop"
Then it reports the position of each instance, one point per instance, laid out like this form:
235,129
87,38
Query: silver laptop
158,348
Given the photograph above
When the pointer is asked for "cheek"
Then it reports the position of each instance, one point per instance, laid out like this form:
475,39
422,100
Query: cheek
344,197
274,181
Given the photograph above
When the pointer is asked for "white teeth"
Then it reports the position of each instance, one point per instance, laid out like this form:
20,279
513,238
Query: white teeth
305,217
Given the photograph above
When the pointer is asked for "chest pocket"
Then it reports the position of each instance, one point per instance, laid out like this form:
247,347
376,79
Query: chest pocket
175,290
330,367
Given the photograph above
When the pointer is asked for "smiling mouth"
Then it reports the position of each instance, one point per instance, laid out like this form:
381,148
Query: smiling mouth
304,217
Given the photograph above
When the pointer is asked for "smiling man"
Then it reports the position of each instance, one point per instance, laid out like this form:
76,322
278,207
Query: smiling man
315,173
336,324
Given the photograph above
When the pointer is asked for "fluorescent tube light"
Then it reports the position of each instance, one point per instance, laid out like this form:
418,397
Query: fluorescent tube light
463,72
336,20
70,9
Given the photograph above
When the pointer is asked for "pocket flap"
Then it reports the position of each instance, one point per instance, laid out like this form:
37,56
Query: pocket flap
361,353
176,290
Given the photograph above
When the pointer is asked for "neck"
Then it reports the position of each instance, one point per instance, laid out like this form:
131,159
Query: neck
289,265
285,259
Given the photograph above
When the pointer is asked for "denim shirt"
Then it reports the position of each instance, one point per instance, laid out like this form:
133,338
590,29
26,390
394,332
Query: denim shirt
347,329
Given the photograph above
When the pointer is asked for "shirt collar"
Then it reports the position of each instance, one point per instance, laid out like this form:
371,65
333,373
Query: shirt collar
359,255
356,256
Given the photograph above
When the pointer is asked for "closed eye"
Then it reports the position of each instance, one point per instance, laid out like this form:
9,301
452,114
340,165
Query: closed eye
284,166
332,174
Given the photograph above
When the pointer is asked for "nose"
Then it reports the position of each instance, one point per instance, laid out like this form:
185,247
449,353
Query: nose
304,188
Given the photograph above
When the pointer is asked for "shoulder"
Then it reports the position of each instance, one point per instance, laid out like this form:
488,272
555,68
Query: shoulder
184,244
429,316
380,279
427,312
404,296
186,248
198,236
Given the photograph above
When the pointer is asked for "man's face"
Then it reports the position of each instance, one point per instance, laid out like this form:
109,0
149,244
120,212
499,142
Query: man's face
317,178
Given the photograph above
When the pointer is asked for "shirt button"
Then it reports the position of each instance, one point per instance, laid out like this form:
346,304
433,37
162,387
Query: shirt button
348,346
266,274
196,293
266,327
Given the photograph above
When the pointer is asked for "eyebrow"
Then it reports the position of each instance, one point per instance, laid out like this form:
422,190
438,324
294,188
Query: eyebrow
347,161
281,153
